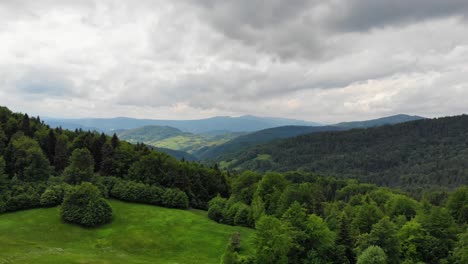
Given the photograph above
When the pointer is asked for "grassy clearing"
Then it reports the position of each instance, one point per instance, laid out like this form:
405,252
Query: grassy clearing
138,234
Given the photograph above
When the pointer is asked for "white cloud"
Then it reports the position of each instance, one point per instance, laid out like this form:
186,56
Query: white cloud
189,59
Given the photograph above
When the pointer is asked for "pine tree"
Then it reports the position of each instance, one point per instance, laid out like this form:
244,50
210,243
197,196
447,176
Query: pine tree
345,240
115,141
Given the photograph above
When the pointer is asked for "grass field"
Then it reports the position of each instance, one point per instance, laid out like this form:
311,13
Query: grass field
138,234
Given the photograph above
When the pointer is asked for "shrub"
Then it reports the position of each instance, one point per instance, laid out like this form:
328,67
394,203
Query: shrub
175,198
53,196
84,205
216,209
23,201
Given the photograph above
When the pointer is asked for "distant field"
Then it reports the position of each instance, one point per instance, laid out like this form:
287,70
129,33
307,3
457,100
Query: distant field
138,234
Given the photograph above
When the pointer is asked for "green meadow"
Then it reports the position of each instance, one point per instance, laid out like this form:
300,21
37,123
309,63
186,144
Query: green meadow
138,234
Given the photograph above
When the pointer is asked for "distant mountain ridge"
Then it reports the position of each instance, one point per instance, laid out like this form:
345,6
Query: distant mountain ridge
246,123
388,120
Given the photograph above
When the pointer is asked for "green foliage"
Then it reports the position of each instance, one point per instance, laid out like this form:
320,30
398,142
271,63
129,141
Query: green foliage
28,161
216,209
401,205
461,249
367,215
81,167
272,241
372,255
412,238
458,204
174,198
83,205
53,195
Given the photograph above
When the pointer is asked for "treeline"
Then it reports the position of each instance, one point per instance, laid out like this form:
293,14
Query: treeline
304,218
414,155
39,164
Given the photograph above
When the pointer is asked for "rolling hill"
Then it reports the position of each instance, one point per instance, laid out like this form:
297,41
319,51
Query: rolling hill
169,138
138,234
412,154
225,123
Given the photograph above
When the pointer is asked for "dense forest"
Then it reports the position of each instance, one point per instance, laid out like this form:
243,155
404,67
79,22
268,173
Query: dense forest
413,155
305,218
38,165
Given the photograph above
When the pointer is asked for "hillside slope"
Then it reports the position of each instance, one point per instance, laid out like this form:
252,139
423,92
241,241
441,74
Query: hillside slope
230,148
413,154
138,234
170,138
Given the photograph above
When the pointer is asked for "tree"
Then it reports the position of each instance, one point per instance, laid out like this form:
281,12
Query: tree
345,240
272,241
320,240
412,238
61,153
115,141
458,204
367,215
372,255
83,205
384,235
269,189
51,142
80,168
25,125
27,160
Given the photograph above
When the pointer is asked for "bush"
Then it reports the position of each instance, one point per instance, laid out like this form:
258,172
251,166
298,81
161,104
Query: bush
216,209
53,195
84,205
137,192
23,201
175,198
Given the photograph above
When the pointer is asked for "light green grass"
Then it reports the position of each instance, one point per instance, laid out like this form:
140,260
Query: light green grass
138,234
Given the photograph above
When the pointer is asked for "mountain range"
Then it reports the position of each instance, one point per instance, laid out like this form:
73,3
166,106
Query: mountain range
247,123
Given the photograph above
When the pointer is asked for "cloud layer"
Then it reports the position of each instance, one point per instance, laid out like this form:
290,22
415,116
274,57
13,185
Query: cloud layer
324,61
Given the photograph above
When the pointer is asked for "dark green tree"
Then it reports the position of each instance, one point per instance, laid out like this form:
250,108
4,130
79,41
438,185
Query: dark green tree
81,167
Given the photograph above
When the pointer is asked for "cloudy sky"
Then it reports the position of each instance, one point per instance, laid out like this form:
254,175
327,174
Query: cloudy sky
324,61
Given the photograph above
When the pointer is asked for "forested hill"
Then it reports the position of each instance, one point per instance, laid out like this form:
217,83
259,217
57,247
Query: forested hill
412,154
238,144
35,158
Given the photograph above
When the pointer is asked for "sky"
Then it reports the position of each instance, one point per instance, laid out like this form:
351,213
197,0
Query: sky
323,61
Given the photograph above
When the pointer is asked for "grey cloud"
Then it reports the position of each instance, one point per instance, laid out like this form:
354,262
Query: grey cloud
362,15
40,82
